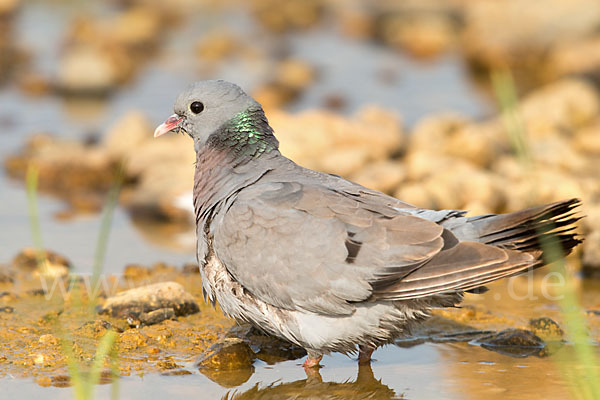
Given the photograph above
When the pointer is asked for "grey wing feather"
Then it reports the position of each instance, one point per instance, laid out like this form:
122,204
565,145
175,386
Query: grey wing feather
309,247
303,240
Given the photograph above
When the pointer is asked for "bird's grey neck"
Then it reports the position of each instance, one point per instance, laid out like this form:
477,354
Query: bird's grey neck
218,176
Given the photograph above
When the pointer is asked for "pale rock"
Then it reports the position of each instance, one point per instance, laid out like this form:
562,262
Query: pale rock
145,299
217,45
477,207
422,164
379,128
591,250
518,32
8,7
137,26
479,144
425,36
86,70
127,134
591,222
304,138
587,140
432,132
295,74
344,161
416,194
557,151
332,143
174,149
574,57
563,106
384,176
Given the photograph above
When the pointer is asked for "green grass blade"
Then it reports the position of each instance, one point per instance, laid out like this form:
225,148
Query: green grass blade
104,348
504,88
104,233
31,182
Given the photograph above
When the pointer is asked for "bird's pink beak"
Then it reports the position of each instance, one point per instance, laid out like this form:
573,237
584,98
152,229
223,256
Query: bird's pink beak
169,125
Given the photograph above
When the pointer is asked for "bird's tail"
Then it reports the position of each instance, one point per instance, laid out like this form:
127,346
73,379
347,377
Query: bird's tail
546,231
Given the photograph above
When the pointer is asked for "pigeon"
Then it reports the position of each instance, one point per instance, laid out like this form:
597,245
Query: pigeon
326,263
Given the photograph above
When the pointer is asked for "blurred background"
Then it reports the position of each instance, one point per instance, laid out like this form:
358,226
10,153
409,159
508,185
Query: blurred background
488,106
396,95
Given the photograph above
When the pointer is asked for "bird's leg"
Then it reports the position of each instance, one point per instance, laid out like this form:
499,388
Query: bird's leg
364,354
313,375
312,360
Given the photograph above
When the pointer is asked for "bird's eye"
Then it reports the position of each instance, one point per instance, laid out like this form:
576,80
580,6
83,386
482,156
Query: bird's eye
196,107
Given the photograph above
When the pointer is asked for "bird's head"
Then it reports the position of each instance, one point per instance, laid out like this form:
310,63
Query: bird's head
204,107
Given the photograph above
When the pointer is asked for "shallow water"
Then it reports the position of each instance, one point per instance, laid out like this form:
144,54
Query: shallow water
449,370
428,371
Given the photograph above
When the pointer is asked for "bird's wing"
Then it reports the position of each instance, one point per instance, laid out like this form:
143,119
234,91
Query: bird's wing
311,247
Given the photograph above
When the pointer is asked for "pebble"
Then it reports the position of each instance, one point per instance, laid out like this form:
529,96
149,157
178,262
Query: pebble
546,328
46,262
86,71
228,362
145,299
514,342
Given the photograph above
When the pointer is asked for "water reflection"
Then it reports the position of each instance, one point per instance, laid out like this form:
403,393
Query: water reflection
366,386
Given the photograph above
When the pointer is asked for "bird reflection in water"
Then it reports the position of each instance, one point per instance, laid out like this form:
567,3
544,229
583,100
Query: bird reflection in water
364,387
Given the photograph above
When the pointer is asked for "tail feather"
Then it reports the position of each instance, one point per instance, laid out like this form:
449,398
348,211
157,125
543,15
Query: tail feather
504,245
532,230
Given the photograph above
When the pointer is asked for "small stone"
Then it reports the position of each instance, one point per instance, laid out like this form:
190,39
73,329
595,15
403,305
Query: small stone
267,348
384,176
294,74
61,381
416,194
356,22
289,15
6,276
8,296
424,36
49,339
135,272
591,252
94,329
216,46
126,135
7,310
43,381
136,27
190,268
85,70
156,316
546,328
518,35
515,343
132,339
176,372
587,140
44,262
574,58
167,363
149,298
9,7
228,355
229,362
345,161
